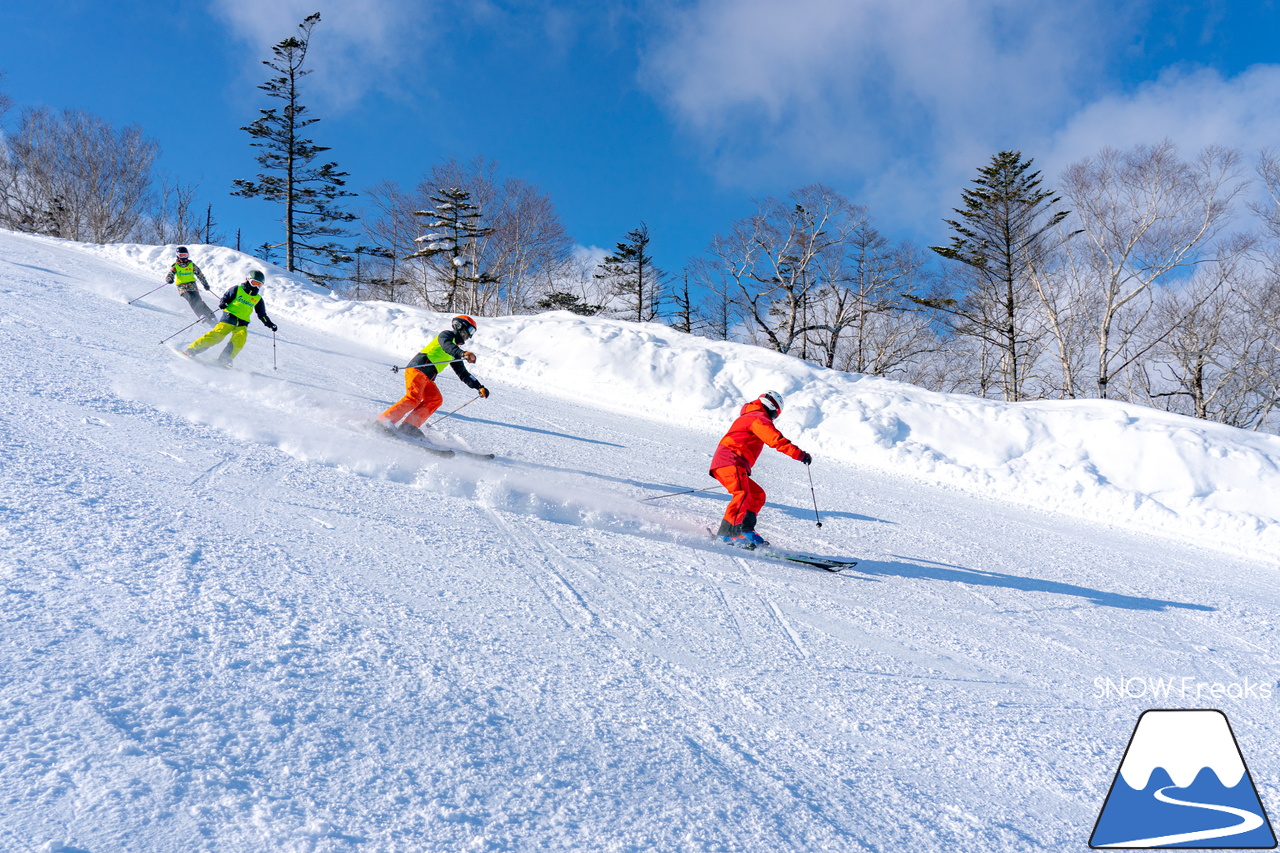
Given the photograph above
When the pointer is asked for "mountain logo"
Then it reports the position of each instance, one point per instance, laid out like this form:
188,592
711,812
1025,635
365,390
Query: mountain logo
1183,784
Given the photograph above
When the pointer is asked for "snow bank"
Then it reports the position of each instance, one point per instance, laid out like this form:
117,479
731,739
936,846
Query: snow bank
1103,460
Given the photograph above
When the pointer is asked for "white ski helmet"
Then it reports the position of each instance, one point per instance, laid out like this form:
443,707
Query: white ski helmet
772,402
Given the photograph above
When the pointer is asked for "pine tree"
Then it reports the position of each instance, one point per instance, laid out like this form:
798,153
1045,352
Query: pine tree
310,193
1002,236
450,250
634,276
560,300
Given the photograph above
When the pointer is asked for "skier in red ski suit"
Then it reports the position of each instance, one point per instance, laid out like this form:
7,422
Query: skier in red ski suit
734,458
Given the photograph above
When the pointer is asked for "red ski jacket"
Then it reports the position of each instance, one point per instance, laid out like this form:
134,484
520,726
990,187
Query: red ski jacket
742,444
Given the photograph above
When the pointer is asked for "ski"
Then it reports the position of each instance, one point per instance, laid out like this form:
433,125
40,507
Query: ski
474,454
391,432
434,448
830,564
196,358
795,558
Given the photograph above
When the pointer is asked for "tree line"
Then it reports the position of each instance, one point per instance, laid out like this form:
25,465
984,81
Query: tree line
1143,275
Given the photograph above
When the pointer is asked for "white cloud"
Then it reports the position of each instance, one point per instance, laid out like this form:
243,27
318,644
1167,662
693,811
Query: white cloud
904,99
1193,107
357,45
834,80
899,103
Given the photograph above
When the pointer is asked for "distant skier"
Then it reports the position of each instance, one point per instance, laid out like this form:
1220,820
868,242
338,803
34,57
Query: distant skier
238,303
185,273
421,396
734,458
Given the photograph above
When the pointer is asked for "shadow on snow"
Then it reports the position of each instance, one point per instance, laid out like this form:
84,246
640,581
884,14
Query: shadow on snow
931,570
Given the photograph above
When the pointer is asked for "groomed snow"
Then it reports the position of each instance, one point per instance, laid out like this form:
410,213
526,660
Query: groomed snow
1102,460
235,617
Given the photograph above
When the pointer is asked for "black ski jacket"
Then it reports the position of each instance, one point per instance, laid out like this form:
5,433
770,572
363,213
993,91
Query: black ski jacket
449,343
232,320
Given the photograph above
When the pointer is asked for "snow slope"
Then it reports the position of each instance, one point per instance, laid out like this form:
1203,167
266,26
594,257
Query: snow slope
1103,460
237,618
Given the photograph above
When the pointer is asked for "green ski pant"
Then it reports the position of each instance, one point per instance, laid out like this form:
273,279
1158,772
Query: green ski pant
239,334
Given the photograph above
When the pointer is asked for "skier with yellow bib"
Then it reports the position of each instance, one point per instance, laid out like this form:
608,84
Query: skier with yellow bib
185,273
421,396
238,304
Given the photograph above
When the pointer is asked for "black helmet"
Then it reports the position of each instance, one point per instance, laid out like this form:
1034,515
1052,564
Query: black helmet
464,326
772,402
182,251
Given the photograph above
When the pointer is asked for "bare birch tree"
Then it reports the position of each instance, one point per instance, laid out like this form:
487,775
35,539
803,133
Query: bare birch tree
389,230
717,274
1219,361
174,217
770,262
1145,216
72,175
6,103
867,324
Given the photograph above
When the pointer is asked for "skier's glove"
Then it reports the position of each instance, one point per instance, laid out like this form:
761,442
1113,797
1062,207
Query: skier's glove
208,288
274,327
483,392
469,357
805,458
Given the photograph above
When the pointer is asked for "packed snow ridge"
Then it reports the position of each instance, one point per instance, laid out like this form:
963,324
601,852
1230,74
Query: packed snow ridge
1103,460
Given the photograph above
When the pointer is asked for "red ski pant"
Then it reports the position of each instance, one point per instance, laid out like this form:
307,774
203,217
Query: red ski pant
746,492
421,398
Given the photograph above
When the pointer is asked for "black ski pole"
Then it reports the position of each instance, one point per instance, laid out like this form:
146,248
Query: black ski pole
148,293
673,494
396,368
454,412
273,350
815,497
184,328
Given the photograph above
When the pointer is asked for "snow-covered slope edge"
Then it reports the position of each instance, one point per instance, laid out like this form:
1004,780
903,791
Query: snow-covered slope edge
1104,460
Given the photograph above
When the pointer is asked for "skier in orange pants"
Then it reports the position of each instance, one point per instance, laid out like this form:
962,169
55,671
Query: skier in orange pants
421,396
733,460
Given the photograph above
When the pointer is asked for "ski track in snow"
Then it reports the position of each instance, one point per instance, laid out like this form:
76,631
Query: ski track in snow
235,618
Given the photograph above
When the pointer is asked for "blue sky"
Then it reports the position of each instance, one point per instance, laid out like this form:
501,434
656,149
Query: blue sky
677,113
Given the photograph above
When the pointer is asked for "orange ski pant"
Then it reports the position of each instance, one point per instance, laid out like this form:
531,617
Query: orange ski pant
746,492
421,398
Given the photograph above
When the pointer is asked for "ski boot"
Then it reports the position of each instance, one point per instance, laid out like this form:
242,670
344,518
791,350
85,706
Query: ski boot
410,431
748,540
749,531
728,531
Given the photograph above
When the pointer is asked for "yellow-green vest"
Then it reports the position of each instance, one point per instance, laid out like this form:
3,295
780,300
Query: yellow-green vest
184,273
242,306
436,354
